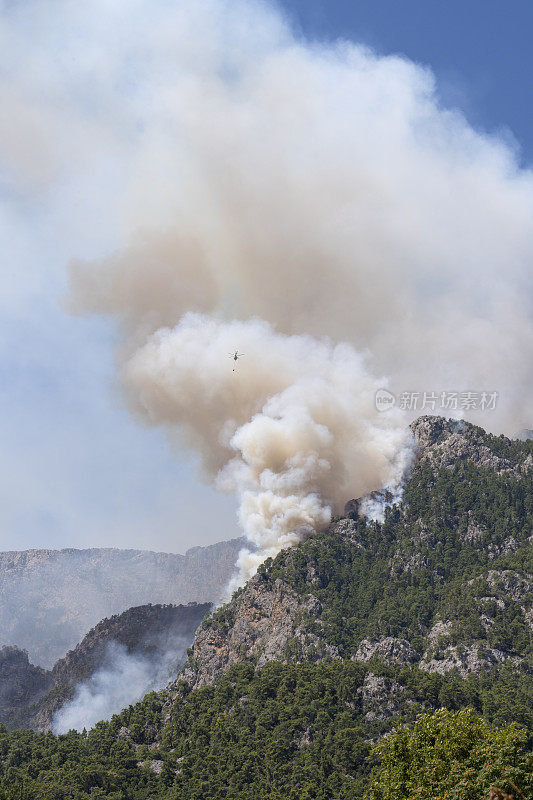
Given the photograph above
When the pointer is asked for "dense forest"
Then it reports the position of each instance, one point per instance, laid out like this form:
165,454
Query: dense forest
285,731
396,578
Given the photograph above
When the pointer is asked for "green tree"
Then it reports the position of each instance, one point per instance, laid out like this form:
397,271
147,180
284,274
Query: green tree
452,756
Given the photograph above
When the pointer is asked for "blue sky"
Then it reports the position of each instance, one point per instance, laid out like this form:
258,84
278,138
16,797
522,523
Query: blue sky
480,50
77,470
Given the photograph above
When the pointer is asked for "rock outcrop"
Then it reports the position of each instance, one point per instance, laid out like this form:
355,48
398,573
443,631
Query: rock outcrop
445,442
389,649
466,660
381,697
257,627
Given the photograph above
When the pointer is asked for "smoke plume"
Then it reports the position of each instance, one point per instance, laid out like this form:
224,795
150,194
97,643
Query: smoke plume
293,429
321,188
124,679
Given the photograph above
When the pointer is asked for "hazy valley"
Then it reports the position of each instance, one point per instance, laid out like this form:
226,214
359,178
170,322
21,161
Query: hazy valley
49,599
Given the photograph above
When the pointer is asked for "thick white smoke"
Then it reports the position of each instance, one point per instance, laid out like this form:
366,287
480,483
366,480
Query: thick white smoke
292,429
322,188
123,679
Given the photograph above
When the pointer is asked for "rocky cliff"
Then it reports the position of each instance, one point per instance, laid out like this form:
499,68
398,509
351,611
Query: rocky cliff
444,584
50,598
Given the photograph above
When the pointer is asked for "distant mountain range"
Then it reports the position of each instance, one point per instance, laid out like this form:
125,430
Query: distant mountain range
49,599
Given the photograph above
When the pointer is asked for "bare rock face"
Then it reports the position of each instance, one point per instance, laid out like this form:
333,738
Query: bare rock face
438,630
474,533
49,599
466,659
348,529
389,649
443,443
260,624
517,587
381,697
155,764
469,657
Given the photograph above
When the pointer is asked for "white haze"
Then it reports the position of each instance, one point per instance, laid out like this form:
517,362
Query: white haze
123,679
284,191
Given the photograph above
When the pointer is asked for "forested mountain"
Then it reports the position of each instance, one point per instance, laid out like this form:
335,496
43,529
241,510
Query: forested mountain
49,599
289,688
443,583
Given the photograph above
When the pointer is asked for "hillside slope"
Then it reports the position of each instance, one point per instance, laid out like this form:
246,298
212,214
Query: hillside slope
49,599
31,696
20,683
289,686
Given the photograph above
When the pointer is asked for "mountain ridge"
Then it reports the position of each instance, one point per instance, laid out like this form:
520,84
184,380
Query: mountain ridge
49,599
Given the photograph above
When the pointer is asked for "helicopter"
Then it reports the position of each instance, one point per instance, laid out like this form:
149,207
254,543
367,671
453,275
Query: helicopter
235,356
